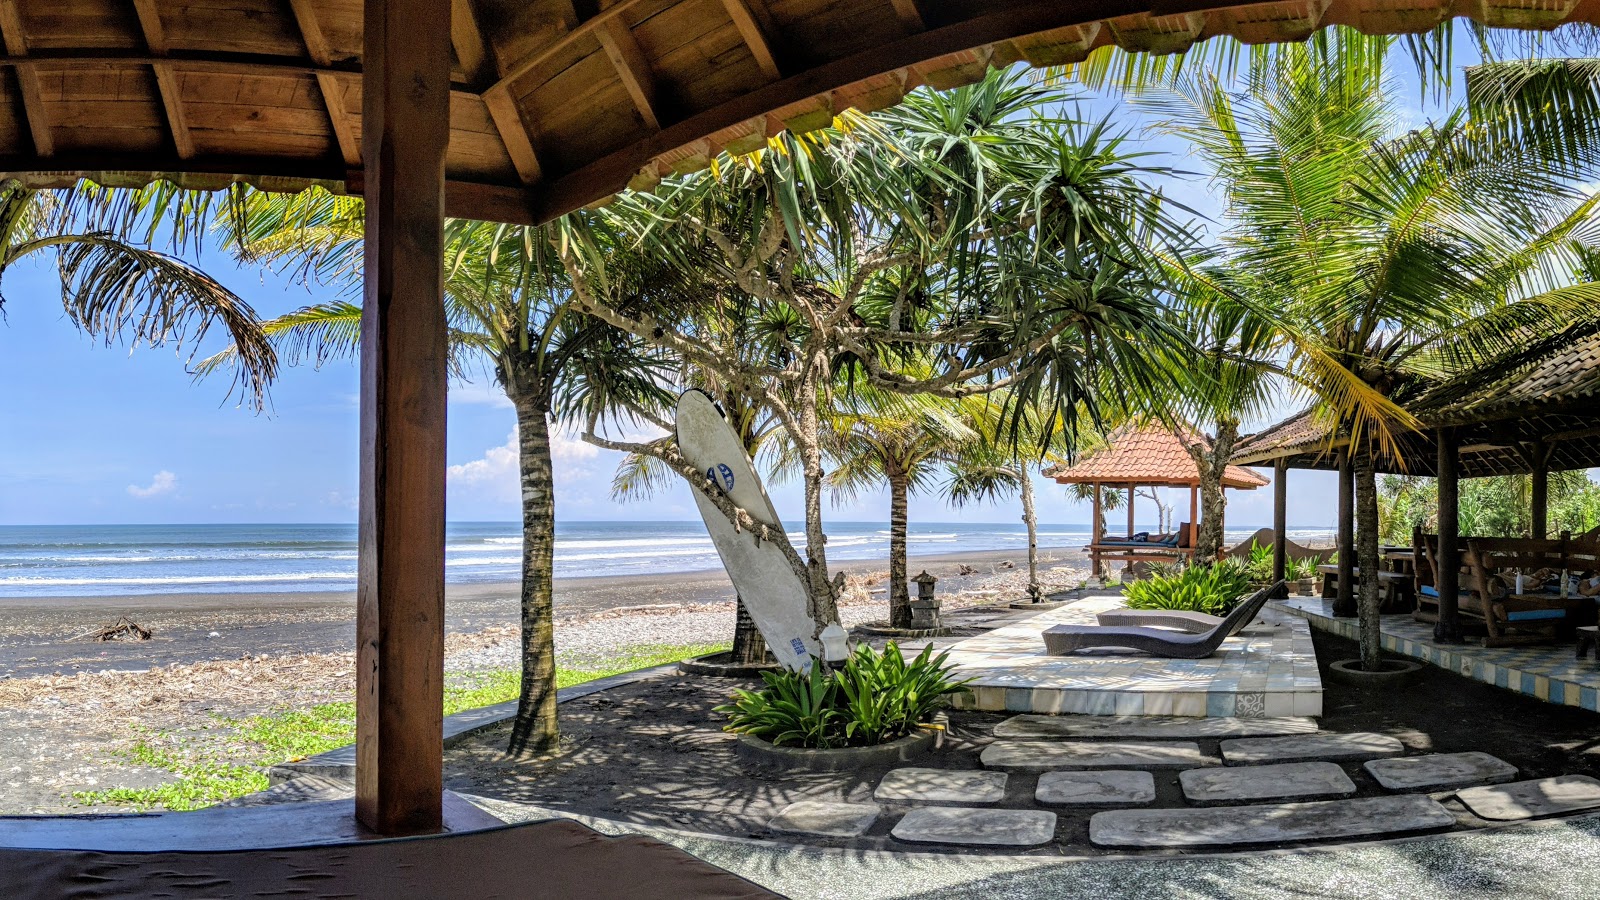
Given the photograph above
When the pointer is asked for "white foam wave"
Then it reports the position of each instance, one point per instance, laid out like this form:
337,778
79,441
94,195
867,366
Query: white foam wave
32,581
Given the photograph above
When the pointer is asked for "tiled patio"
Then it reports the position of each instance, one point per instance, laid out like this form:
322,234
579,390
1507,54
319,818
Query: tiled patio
1269,669
1550,673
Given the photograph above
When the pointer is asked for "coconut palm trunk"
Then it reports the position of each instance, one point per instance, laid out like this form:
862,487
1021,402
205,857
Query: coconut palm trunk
899,589
535,730
749,647
1367,560
1031,520
807,439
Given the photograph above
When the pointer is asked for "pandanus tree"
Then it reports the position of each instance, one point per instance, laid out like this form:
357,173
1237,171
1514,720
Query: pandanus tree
115,286
511,315
965,231
1385,259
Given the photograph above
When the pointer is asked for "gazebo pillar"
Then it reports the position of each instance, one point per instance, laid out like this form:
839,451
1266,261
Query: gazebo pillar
1096,532
1280,526
1537,455
1128,566
1447,575
400,593
1344,604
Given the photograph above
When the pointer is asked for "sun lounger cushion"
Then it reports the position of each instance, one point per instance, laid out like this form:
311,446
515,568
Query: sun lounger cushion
1530,615
1429,590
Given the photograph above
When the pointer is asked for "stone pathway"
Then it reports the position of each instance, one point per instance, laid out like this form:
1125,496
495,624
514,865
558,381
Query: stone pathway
1440,771
977,827
941,786
1038,756
1084,727
1251,751
1275,824
1533,799
1285,781
1104,788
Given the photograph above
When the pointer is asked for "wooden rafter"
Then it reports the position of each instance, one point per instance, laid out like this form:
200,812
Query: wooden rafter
755,27
586,28
316,42
910,15
473,52
513,130
16,44
155,38
616,38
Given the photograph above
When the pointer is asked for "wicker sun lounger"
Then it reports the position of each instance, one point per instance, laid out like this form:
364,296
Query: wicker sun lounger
1189,622
1061,640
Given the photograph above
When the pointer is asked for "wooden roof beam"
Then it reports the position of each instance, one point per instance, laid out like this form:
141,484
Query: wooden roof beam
344,133
16,44
910,15
472,51
755,26
586,28
167,87
616,38
513,133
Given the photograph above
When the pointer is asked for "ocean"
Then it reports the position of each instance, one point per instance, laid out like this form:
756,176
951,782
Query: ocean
101,560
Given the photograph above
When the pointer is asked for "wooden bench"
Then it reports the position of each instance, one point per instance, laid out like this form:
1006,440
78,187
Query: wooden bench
1527,617
1394,589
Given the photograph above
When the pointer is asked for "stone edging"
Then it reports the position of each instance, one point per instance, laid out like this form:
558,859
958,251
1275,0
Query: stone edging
341,761
756,750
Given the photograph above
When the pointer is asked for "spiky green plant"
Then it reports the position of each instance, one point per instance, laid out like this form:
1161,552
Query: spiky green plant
1213,589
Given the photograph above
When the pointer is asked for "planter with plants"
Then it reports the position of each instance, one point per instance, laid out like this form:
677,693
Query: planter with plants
1304,574
1213,589
1258,567
877,708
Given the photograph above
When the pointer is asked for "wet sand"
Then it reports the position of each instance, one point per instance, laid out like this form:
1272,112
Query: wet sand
43,635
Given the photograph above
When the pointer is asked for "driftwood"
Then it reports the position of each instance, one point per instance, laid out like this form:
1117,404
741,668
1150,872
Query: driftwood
123,627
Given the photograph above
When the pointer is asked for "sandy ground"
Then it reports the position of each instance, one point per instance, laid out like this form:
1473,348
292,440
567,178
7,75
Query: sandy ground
67,705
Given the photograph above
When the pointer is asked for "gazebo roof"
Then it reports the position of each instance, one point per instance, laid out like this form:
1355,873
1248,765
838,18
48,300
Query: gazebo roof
1497,418
1148,455
556,103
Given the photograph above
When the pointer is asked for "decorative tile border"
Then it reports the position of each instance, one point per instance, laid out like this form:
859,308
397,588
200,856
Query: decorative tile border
1268,670
1548,673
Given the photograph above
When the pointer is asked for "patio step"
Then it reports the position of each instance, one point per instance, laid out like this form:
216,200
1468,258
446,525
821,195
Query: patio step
1039,756
1532,799
825,818
1087,727
1276,823
976,827
941,786
1105,787
1301,747
1252,784
1440,771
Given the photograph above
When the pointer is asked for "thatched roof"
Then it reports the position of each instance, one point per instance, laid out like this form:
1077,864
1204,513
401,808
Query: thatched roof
1150,455
1498,419
557,103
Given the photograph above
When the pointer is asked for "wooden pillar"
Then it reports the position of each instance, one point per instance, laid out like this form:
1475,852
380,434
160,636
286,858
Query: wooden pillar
1344,603
1447,575
1194,506
1128,566
400,593
1096,532
1280,526
1538,455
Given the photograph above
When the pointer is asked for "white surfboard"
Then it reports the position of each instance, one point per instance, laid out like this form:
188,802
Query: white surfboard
772,592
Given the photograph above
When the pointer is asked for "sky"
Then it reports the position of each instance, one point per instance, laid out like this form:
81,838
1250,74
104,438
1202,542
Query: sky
91,434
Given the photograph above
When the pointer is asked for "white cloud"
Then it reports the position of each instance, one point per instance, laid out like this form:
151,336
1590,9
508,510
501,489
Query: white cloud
480,393
164,482
497,473
496,466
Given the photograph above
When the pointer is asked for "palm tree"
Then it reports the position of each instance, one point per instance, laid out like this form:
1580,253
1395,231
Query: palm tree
115,288
876,438
1384,260
510,312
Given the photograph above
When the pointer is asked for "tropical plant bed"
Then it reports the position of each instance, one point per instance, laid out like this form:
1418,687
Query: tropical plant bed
843,759
721,665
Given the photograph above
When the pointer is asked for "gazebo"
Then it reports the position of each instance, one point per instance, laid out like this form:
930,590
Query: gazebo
513,111
1531,421
1146,456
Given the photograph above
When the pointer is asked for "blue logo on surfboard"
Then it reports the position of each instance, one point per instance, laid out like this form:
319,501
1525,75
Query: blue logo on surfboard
720,474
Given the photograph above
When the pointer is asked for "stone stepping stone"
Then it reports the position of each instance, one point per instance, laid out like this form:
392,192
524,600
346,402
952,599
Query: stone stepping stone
976,827
825,818
1268,824
1440,771
1283,781
1103,788
1032,726
1038,756
1532,799
941,786
1296,748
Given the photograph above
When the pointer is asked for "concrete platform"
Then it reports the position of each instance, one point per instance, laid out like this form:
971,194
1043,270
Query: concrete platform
1302,747
1532,799
941,786
1550,673
1268,824
1148,727
1269,670
976,827
1039,756
1252,784
1440,771
1104,788
820,817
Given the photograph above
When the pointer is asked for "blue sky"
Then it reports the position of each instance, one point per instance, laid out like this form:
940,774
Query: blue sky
92,435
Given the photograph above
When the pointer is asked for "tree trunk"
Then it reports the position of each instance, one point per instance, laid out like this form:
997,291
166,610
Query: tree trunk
824,606
1367,560
749,648
1035,593
1212,467
899,591
535,731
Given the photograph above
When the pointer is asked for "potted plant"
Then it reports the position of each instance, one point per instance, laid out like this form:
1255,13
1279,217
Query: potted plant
1304,572
877,708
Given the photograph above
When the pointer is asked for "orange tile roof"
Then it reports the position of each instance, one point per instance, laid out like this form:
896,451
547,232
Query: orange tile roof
1152,454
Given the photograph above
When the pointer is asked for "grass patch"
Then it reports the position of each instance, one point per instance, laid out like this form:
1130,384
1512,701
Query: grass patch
231,760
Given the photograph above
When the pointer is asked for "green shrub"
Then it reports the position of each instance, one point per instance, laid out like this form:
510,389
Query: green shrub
1259,566
875,698
1210,589
1299,569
